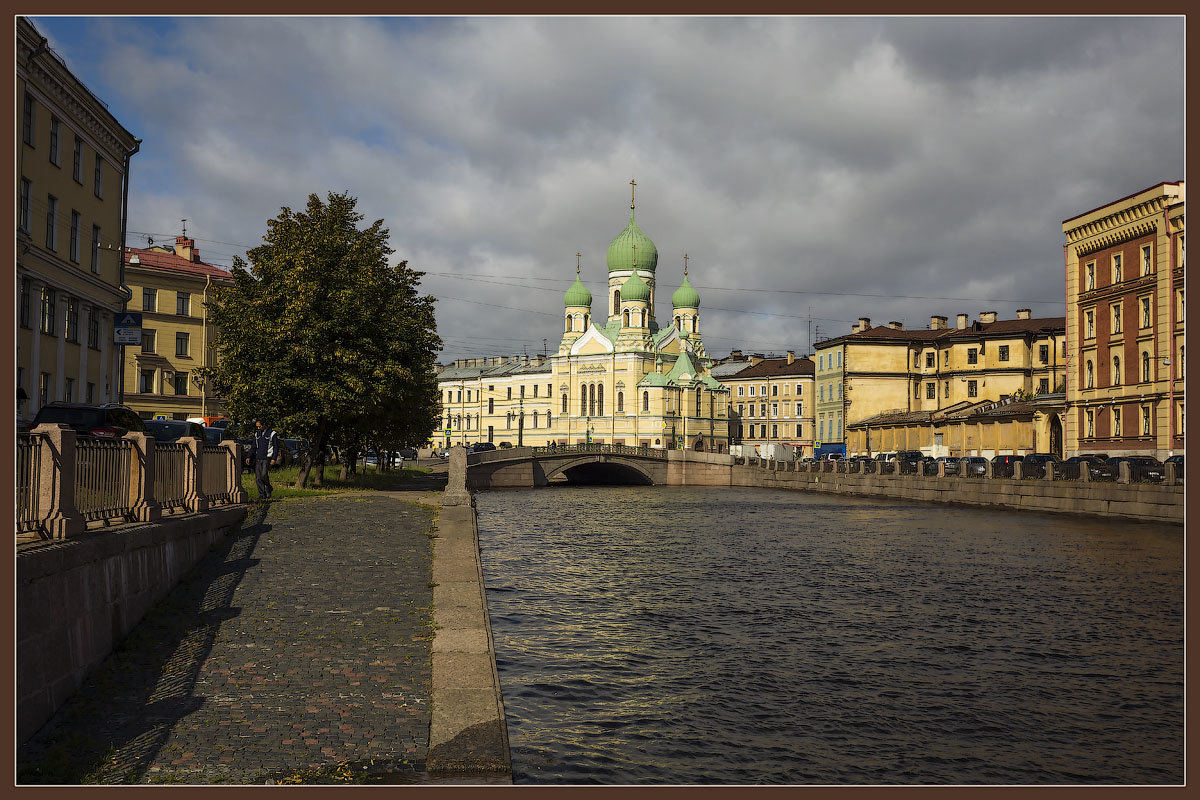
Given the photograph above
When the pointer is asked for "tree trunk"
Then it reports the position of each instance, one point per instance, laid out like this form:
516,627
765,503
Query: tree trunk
302,475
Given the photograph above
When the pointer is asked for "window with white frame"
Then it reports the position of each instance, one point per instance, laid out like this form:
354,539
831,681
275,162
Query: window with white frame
741,391
1145,420
972,388
1090,375
1116,421
1147,264
1117,268
1090,282
1090,430
1089,324
1146,315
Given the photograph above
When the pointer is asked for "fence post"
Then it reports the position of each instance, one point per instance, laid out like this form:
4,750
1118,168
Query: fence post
1123,471
1049,467
1169,474
987,469
193,476
57,481
143,505
1085,472
941,469
236,493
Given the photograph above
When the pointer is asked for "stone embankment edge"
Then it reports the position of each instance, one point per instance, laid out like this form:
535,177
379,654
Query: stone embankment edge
468,734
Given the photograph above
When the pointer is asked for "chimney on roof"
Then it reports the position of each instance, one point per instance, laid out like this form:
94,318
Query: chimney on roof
895,325
185,248
756,358
735,354
962,322
1023,313
987,317
791,356
937,323
864,324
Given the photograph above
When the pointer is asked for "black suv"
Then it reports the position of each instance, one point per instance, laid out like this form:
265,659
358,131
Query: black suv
107,421
166,431
480,447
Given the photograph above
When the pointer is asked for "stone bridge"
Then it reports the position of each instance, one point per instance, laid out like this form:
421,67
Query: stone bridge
527,467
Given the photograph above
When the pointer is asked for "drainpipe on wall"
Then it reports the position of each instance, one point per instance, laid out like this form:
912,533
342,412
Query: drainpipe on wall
137,145
1170,328
1067,418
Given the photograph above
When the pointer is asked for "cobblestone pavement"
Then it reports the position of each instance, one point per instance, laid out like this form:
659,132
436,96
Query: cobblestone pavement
299,649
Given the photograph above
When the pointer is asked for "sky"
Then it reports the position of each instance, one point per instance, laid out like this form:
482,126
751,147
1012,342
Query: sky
814,170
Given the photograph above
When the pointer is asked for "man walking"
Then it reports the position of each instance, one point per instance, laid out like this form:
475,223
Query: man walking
264,451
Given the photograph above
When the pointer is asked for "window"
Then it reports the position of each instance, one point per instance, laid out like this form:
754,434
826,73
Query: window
775,390
600,399
468,391
583,394
972,389
72,320
509,393
1145,301
93,328
741,409
1146,266
762,431
459,395
820,427
916,360
1145,420
1043,353
799,429
51,222
69,390
1179,304
181,383
55,154
1089,323
564,404
762,410
697,401
1091,276
1116,317
26,201
181,344
1145,367
1091,424
74,251
1003,354
839,357
916,389
1116,373
822,393
492,404
621,402
44,388
535,420
1090,378
147,340
77,164
149,299
799,409
1179,366
1179,427
972,356
91,393
752,391
96,249
646,401
521,387
774,409
751,410
535,388
821,362
98,179
1116,421
1043,385
25,300
146,381
930,360
931,391
48,303
774,431
183,305
741,391
27,121
1116,268
799,389
946,389
763,390
946,359
549,390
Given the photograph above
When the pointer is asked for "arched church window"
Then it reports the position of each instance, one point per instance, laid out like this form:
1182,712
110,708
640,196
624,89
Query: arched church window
645,401
620,402
549,420
695,324
535,416
678,323
570,324
625,318
564,403
585,322
583,395
600,400
697,401
592,400
616,299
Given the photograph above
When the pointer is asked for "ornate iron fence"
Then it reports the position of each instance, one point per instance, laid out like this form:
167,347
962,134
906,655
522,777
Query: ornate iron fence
29,482
612,449
102,478
170,475
1002,469
215,468
1034,470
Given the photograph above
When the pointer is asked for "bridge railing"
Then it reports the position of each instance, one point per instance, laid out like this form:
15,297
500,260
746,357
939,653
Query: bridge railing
610,449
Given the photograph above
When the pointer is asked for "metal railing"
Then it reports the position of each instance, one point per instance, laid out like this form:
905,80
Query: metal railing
1002,469
171,464
29,473
102,478
1065,471
1032,471
215,467
612,449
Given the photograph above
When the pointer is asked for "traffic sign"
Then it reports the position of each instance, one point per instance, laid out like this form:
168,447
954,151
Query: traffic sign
447,431
161,417
127,328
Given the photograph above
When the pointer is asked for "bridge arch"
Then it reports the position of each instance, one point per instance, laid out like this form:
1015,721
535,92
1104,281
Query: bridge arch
605,469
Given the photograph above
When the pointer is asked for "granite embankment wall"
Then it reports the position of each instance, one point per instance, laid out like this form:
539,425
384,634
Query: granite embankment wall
78,597
1138,501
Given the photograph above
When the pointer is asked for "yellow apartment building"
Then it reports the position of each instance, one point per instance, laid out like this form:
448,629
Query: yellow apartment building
72,171
1125,324
620,379
170,287
890,369
771,402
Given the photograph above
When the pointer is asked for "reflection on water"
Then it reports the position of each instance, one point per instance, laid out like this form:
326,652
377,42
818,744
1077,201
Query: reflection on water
677,635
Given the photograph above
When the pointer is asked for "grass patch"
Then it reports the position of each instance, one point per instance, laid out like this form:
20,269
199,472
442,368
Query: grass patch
283,481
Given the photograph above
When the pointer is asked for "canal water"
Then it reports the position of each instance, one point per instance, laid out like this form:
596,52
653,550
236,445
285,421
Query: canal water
686,636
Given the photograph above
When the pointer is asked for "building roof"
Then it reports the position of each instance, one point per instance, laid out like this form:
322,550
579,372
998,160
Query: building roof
162,259
635,289
991,409
976,330
685,296
630,245
775,368
577,295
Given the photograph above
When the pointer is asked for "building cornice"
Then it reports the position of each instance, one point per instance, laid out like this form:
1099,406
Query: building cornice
1120,225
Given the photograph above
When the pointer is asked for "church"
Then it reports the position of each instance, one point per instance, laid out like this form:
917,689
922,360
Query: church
621,378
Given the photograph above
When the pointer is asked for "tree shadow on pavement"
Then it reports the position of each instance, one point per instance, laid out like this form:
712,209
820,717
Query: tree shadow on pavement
113,728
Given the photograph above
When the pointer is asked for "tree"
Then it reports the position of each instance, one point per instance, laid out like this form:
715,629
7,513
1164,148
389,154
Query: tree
324,338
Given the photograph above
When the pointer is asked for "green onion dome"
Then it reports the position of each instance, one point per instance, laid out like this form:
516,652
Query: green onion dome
635,289
685,296
621,253
578,295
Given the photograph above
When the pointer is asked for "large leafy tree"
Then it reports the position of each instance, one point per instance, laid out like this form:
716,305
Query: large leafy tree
322,336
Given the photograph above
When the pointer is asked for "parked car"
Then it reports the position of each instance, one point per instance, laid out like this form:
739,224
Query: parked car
1096,456
1141,468
885,456
1006,459
218,435
972,466
481,447
107,421
290,450
408,454
951,463
1176,459
506,445
1100,468
166,431
832,457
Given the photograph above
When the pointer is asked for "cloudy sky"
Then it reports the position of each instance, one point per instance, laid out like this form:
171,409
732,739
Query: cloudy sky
814,169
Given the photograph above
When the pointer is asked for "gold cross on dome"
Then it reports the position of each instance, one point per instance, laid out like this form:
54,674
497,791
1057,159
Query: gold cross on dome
632,187
577,257
685,258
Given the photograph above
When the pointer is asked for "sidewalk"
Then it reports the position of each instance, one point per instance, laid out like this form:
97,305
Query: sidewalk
299,650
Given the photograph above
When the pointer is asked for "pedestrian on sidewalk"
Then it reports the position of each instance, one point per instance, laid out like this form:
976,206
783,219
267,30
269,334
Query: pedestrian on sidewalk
265,452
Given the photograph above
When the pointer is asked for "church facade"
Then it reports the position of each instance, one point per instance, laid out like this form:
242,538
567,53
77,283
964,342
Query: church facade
618,376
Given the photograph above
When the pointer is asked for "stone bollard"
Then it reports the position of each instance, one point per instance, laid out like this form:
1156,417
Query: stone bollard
193,493
1049,467
987,469
1123,475
941,473
143,504
456,493
56,482
1085,472
1018,472
236,493
1169,474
